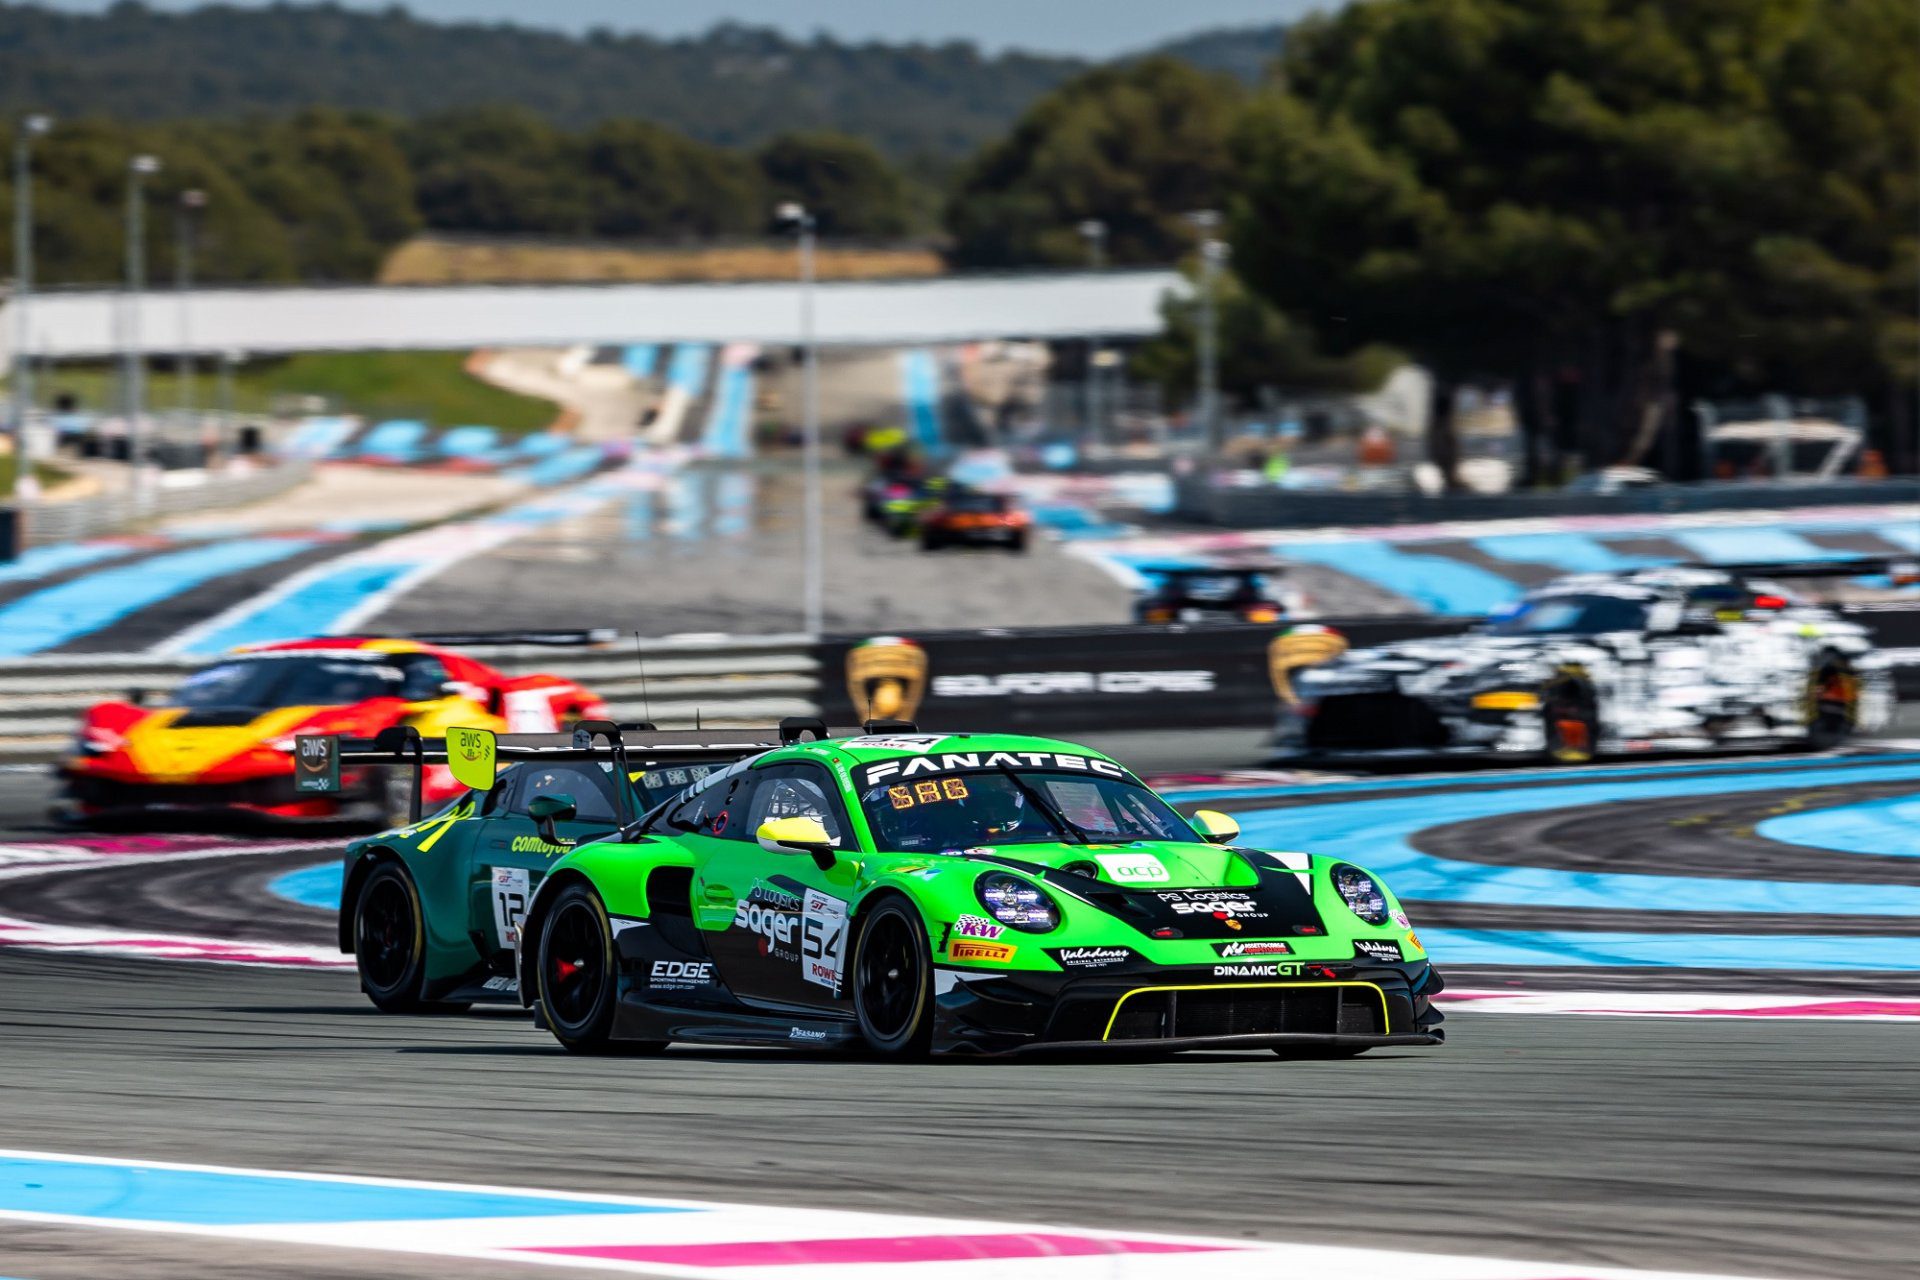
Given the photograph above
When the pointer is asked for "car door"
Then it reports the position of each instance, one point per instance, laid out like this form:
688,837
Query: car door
511,857
785,943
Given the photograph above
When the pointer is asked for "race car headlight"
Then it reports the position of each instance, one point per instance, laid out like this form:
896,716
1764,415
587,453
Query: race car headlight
1361,893
1016,903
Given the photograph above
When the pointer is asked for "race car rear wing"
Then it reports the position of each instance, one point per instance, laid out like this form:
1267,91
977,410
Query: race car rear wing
1903,570
586,637
476,754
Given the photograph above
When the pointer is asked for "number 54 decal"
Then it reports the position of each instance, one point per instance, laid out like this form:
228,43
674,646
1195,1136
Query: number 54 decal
823,940
510,896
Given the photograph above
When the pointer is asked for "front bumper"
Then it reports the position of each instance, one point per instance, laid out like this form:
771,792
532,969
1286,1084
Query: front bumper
88,797
1164,1010
1383,724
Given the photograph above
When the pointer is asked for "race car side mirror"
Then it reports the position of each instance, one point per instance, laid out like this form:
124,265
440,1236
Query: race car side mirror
1216,827
547,810
797,835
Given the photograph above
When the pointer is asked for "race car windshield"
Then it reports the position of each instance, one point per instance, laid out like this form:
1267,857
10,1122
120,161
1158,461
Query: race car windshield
968,810
287,682
1573,616
977,503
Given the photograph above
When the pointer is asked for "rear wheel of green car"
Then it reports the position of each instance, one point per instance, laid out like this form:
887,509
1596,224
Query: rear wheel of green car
389,940
893,981
579,983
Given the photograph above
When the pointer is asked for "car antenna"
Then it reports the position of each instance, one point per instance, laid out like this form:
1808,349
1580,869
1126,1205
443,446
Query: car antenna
646,703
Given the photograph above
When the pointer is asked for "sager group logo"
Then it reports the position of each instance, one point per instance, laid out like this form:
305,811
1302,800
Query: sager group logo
1297,647
886,678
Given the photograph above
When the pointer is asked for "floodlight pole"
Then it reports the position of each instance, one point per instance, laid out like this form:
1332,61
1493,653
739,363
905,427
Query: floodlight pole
29,128
191,203
1094,232
814,588
1213,252
134,356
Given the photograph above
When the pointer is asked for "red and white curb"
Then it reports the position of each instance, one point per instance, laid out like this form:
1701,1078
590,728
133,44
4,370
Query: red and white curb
22,860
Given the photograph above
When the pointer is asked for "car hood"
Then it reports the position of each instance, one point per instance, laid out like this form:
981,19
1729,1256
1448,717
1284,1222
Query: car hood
1176,890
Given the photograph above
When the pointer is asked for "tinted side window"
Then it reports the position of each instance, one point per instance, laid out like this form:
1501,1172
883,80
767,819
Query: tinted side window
796,791
590,786
706,811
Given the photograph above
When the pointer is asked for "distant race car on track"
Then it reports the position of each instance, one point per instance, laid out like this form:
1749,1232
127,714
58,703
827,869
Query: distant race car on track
901,892
1599,664
965,518
222,742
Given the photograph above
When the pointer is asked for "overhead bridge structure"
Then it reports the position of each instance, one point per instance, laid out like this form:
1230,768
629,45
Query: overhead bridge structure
90,325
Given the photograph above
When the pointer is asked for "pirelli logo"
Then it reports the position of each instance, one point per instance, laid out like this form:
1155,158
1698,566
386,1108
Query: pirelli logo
969,949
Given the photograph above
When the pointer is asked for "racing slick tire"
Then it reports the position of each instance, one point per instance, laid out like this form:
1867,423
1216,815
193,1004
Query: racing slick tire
1832,702
893,981
1572,719
1019,544
929,542
390,943
578,988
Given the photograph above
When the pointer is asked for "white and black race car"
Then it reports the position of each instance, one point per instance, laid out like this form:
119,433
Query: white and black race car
1597,664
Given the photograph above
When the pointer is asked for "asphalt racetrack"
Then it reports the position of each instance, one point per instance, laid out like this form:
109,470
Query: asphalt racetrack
1738,1145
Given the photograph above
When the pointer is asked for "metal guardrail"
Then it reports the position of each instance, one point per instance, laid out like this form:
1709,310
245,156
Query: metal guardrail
716,680
44,523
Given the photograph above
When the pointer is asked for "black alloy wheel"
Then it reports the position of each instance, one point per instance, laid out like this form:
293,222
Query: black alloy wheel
389,940
893,981
579,983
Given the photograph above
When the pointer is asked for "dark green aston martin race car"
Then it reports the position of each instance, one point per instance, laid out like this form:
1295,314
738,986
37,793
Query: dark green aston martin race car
900,891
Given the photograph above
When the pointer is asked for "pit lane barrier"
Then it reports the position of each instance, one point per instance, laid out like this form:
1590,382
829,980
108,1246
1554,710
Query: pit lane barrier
1058,681
673,681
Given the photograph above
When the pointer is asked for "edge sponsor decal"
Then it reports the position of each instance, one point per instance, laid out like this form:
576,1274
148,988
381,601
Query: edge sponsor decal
947,761
1248,950
1288,970
1092,957
680,975
1389,951
1133,868
968,949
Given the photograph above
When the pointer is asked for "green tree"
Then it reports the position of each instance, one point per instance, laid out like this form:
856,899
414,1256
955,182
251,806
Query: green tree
846,184
1135,146
1260,350
1593,200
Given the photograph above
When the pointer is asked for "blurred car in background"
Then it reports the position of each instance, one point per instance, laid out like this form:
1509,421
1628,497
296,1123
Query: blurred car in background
1183,593
1602,664
965,518
222,742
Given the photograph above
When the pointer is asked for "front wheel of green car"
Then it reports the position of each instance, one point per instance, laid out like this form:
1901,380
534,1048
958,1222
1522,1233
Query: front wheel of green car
578,981
389,940
893,981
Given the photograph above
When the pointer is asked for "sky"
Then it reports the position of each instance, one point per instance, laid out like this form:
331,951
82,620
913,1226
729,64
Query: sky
1089,28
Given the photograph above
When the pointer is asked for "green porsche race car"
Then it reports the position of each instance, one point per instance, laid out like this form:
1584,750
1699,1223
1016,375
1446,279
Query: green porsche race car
902,892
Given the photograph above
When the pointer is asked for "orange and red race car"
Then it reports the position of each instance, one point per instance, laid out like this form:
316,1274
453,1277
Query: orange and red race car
223,741
965,517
